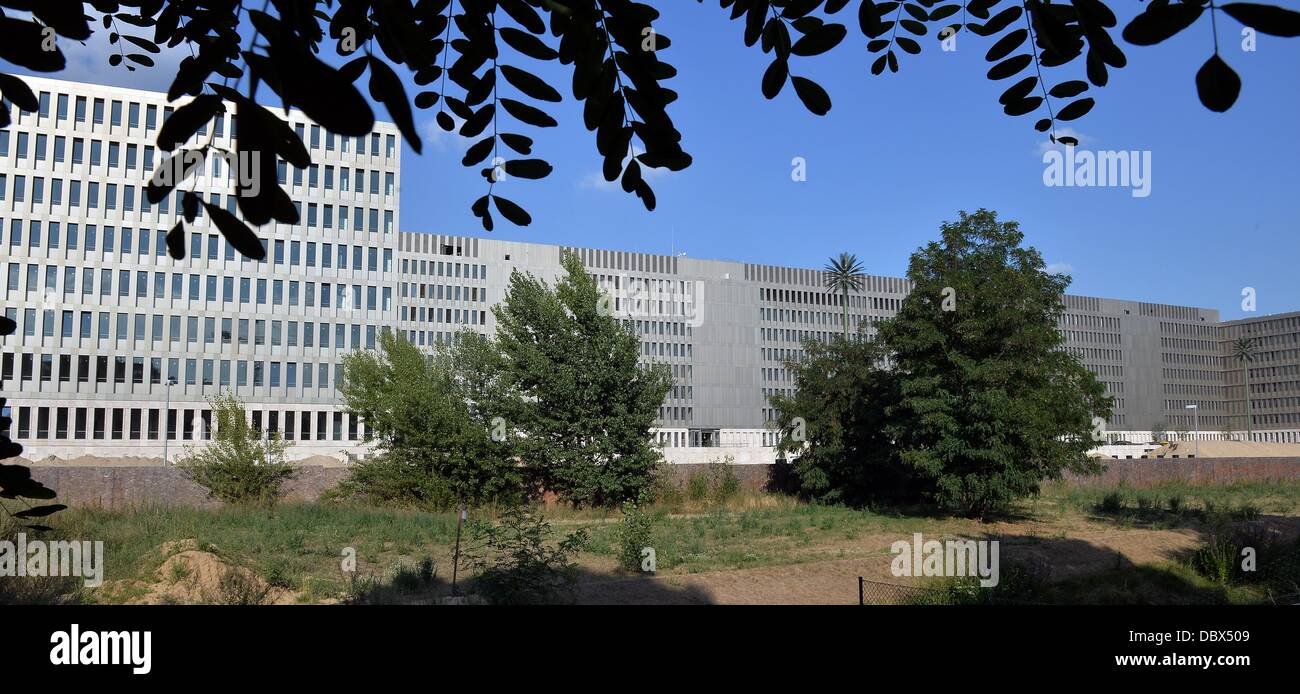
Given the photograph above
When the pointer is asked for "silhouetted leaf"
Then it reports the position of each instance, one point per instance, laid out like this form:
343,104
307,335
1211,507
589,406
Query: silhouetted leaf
1019,90
1075,109
176,241
1068,89
513,213
814,98
478,151
528,168
1217,84
530,84
386,87
527,44
528,114
22,45
40,511
1023,106
17,92
236,232
186,120
1277,21
519,143
774,78
1003,47
1010,66
1160,22
820,40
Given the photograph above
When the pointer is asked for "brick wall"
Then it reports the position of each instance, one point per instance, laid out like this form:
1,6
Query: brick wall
1152,472
119,487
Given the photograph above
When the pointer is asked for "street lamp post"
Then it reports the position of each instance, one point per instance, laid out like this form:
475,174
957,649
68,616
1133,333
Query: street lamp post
1196,425
167,418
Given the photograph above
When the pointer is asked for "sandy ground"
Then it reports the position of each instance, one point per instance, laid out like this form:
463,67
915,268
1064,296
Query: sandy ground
1045,547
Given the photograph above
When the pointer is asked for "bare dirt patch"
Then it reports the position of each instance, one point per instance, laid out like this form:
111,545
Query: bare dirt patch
189,574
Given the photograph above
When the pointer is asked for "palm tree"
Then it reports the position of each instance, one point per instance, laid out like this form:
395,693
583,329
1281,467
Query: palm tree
1243,350
842,274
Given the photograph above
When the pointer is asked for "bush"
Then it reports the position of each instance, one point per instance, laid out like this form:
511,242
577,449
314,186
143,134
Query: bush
514,564
697,486
723,482
635,534
667,488
1113,502
385,481
1175,504
238,465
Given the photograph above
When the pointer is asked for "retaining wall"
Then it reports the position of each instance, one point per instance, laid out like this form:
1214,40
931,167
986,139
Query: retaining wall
125,486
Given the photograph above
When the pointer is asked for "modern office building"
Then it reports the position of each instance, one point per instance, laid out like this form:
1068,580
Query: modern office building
120,346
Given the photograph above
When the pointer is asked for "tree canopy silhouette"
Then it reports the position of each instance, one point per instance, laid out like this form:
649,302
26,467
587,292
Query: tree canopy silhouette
471,60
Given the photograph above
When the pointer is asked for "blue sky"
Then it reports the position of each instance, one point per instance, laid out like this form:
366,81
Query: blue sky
898,154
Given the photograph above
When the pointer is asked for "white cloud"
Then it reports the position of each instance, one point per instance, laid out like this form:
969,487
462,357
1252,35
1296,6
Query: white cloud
596,179
1057,268
435,138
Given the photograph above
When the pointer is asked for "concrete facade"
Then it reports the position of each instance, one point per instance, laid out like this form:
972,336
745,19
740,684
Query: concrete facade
106,318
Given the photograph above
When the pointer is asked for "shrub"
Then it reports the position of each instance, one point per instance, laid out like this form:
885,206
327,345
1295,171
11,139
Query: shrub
634,535
1175,504
723,482
386,481
1113,502
697,486
667,488
1216,559
239,465
514,563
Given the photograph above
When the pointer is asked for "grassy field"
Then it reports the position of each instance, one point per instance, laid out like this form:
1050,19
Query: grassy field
1083,545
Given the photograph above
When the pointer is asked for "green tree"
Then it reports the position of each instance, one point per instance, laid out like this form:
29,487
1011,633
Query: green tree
577,403
843,274
240,464
1243,350
990,404
834,422
434,443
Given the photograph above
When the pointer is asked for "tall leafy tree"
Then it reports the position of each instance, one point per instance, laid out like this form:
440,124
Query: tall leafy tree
578,405
842,275
1243,350
990,404
427,424
834,423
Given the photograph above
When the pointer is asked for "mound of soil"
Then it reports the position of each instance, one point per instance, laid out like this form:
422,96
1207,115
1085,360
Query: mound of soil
193,575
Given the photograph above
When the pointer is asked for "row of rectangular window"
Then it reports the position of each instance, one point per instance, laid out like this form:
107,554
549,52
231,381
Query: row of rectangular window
138,424
95,107
282,333
332,295
122,370
318,215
